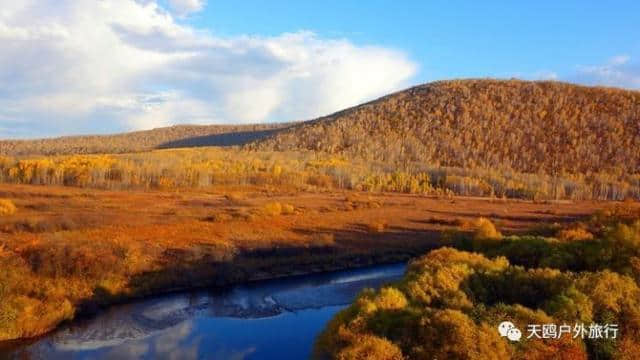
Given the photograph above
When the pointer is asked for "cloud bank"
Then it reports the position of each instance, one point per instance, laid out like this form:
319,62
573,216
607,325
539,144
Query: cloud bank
618,71
85,66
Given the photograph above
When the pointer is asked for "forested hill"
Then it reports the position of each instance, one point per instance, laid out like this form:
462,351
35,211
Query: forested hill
534,127
167,137
538,127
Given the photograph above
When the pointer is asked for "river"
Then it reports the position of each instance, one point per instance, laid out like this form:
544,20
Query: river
272,319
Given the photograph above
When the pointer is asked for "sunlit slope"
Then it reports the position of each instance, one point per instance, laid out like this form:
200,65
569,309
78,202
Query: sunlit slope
537,127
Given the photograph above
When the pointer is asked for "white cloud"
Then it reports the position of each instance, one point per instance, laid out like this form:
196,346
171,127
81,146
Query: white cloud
185,7
538,75
619,60
82,66
545,75
618,71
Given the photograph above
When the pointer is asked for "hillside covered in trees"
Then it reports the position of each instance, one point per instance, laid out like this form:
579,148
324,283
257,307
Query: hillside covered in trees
167,137
515,139
534,127
545,127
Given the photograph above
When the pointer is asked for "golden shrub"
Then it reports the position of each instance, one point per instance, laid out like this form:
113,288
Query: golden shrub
7,207
485,230
235,198
376,227
391,298
574,234
288,209
451,334
276,170
369,347
272,209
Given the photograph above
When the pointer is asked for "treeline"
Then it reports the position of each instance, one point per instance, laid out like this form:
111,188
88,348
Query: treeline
167,137
202,167
451,302
548,128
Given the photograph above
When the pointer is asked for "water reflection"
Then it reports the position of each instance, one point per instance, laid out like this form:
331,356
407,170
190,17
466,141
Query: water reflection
276,319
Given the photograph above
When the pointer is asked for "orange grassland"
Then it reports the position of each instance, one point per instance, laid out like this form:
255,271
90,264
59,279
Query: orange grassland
71,250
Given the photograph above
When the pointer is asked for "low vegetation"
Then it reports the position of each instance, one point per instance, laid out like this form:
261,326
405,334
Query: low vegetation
7,207
451,301
68,250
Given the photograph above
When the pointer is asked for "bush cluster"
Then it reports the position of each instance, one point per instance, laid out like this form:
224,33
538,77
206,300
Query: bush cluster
7,207
450,302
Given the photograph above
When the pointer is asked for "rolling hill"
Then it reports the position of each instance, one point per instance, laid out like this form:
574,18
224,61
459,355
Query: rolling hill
167,137
534,127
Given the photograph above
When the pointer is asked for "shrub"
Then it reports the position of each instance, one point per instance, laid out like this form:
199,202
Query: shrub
272,209
450,334
235,199
574,234
485,230
288,209
626,235
59,257
7,207
391,298
376,227
370,348
36,225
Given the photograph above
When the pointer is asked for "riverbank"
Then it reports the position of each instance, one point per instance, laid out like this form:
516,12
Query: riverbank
268,319
186,277
68,251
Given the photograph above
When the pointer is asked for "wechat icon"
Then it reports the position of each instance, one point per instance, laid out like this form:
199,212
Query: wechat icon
510,331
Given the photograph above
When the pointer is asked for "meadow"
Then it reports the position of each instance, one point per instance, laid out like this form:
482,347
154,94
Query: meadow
68,250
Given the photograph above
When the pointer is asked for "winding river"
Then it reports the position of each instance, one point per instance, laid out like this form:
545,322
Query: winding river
273,319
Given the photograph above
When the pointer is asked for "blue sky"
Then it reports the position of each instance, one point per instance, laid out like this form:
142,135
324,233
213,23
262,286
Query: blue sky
451,39
89,66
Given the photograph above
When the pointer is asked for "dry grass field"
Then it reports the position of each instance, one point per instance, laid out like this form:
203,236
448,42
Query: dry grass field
67,249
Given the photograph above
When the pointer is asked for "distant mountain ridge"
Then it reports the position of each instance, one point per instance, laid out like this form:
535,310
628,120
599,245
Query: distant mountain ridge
167,137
